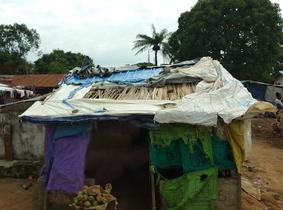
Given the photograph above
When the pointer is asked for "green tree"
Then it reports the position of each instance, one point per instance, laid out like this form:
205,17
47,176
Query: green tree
18,39
15,42
14,64
244,35
58,61
279,63
144,64
156,42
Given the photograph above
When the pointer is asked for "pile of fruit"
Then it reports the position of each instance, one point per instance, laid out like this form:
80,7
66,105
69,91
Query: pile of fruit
94,197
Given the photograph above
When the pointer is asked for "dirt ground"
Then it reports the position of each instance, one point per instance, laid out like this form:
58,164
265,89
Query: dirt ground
14,197
264,169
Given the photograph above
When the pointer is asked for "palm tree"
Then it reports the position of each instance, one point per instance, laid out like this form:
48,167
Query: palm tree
157,42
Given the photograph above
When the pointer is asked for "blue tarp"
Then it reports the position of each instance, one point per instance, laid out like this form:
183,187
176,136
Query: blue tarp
132,117
123,77
257,90
64,131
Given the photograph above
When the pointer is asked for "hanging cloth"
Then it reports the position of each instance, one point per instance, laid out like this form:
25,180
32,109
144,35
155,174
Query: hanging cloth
192,191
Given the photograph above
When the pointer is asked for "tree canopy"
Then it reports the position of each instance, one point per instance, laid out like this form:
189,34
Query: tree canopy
157,42
14,64
58,61
15,42
18,39
244,35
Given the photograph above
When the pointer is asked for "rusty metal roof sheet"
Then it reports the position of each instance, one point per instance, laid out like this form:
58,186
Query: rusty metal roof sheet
33,80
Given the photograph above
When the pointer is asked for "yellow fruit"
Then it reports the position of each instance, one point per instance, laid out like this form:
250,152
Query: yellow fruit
85,197
87,204
80,197
90,198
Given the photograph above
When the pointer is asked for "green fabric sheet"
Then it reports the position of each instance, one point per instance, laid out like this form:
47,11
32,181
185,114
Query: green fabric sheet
166,157
170,132
183,146
192,191
222,154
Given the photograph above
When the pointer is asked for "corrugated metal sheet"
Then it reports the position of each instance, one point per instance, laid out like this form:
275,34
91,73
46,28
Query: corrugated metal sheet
33,80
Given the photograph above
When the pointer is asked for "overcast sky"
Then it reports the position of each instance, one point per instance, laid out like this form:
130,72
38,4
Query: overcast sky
104,30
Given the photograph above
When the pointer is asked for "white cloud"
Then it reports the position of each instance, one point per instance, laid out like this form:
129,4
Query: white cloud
104,30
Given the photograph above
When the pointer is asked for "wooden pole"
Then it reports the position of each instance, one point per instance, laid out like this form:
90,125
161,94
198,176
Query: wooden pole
7,131
152,181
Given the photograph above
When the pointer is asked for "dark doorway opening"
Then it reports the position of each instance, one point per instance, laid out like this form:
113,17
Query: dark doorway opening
118,154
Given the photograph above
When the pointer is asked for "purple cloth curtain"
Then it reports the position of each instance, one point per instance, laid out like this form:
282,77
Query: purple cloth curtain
64,163
48,139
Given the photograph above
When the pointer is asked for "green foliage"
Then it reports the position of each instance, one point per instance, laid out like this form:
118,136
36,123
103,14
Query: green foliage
279,63
144,64
244,35
17,39
15,42
156,42
58,61
13,64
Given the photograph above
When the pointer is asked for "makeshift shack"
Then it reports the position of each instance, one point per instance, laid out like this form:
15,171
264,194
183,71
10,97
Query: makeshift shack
10,94
39,84
170,137
279,79
263,91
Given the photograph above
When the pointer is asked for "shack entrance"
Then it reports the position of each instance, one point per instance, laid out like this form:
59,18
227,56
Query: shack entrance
118,154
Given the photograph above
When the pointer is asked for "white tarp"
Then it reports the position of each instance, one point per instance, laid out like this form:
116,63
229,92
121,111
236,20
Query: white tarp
57,109
54,106
64,91
219,94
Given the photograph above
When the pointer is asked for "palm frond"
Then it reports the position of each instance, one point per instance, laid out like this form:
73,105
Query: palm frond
153,30
162,36
164,33
141,43
142,49
159,39
145,37
166,51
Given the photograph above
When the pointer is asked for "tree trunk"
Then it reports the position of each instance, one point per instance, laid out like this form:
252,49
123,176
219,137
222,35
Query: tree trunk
155,57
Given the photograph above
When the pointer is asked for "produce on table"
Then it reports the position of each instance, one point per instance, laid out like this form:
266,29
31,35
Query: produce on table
94,197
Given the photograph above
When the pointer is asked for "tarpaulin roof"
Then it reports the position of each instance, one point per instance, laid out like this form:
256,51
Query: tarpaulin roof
218,94
122,77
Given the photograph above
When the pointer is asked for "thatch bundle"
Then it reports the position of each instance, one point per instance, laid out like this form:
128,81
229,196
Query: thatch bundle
167,92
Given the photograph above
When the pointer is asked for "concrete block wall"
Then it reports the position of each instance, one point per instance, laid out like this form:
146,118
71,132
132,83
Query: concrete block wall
27,138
